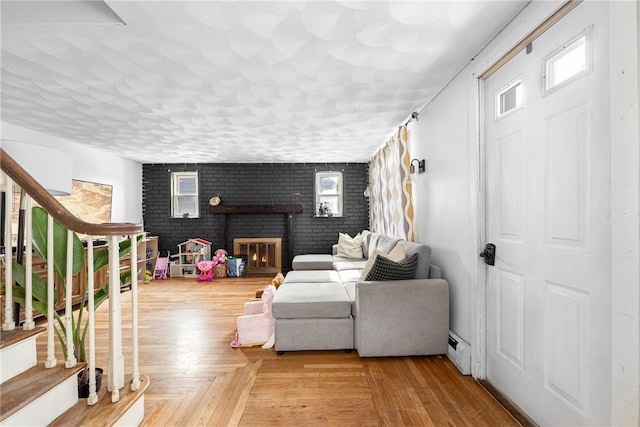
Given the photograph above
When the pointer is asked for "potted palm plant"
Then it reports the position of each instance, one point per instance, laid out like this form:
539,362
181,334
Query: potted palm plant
39,285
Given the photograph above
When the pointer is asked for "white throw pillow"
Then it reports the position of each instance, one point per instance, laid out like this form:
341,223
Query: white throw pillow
397,254
349,247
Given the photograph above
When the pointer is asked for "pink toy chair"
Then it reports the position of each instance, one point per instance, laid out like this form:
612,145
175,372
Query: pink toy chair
206,270
161,268
206,267
257,326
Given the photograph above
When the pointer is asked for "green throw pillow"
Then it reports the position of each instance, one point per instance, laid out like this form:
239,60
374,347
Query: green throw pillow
385,269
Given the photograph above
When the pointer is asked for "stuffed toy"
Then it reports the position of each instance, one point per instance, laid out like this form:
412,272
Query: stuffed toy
257,326
276,281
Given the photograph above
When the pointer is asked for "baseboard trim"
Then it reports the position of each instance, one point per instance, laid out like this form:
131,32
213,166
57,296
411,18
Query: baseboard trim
508,404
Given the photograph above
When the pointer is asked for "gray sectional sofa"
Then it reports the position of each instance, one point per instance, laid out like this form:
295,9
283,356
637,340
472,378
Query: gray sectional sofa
323,305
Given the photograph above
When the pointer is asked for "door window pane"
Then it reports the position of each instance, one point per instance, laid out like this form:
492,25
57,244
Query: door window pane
509,98
567,63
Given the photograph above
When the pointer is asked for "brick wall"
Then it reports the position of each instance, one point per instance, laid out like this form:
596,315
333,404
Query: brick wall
255,184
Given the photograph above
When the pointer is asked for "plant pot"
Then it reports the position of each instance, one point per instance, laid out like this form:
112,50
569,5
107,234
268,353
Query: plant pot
83,387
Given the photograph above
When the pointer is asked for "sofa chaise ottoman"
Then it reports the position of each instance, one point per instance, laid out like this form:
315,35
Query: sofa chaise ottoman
312,311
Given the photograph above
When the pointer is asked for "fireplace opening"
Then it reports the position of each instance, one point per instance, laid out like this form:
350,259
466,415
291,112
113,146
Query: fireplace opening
263,254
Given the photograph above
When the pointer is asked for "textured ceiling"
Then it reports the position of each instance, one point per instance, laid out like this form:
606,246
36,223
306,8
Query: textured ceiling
241,81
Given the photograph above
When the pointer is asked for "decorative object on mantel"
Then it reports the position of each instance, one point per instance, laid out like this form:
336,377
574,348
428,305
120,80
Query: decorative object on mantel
214,201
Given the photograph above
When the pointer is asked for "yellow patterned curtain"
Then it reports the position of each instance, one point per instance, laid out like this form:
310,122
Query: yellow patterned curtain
390,201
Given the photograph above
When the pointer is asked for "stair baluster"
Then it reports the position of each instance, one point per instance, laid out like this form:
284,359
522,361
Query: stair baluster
29,323
135,381
68,312
51,346
116,375
8,323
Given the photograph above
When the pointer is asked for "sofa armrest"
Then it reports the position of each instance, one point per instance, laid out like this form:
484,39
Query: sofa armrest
334,249
435,272
402,317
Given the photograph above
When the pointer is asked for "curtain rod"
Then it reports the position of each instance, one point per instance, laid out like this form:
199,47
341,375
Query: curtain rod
414,116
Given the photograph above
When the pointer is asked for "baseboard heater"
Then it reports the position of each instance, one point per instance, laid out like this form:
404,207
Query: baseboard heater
459,353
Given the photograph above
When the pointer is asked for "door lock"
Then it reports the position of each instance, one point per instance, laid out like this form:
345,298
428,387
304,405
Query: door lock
489,254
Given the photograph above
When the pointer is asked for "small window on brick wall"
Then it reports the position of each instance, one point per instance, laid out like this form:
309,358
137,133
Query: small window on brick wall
184,195
329,194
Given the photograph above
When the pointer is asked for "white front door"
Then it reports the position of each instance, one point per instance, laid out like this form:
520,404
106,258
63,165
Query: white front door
548,213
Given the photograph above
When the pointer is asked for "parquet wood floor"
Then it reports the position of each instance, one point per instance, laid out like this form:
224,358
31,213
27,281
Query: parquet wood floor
197,379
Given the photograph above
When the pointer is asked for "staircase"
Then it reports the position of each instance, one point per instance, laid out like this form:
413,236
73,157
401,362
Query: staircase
33,395
35,392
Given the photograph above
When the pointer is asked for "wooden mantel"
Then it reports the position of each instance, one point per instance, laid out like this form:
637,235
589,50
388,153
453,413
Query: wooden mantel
289,210
254,209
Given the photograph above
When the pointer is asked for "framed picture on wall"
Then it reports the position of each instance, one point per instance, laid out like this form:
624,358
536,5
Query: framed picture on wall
89,201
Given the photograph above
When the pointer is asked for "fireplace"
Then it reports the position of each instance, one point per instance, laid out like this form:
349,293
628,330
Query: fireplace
263,254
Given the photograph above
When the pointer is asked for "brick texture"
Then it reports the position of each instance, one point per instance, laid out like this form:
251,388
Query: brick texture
255,184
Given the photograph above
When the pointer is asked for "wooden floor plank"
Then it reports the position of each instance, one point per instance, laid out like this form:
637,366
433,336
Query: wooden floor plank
198,379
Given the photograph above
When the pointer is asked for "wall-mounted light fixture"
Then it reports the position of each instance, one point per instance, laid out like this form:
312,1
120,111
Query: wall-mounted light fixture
421,166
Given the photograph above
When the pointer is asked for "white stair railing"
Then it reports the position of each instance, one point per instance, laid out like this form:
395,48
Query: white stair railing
12,172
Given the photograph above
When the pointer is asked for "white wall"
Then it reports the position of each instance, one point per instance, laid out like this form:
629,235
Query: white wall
90,164
449,208
445,198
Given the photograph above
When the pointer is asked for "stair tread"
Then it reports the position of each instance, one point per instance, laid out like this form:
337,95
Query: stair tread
21,390
103,413
8,338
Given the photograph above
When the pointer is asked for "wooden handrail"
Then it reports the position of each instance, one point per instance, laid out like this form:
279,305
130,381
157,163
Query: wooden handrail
57,209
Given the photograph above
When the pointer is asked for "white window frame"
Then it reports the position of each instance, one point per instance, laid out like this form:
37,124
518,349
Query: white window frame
337,195
561,52
177,196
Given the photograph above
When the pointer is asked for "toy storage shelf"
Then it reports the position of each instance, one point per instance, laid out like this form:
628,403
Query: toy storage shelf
149,255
